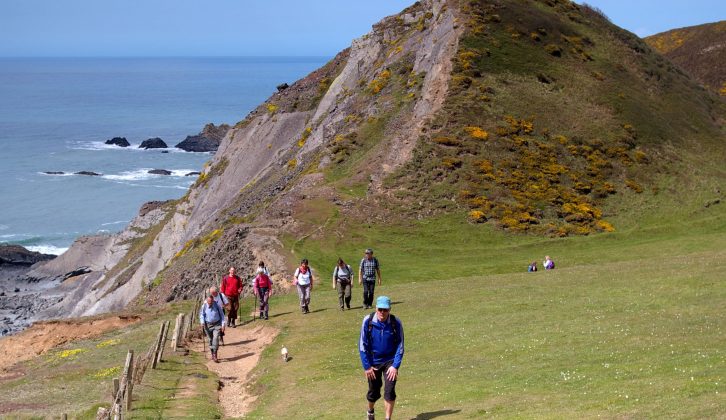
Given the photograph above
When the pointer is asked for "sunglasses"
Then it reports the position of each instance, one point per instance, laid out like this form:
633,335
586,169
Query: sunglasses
383,310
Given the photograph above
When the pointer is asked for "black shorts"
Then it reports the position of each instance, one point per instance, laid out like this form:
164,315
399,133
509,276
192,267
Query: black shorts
374,385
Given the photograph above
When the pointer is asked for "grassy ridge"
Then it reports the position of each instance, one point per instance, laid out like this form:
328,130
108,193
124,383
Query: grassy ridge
639,336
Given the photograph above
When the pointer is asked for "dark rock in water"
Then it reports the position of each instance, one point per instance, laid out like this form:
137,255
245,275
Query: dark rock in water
77,272
118,141
282,87
153,143
198,144
193,174
18,255
54,173
17,290
160,172
206,141
89,173
164,151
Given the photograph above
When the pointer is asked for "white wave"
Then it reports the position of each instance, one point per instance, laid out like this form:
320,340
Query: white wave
47,249
99,145
143,174
137,175
118,222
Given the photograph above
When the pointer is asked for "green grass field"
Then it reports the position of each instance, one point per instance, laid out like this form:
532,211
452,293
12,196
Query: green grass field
630,325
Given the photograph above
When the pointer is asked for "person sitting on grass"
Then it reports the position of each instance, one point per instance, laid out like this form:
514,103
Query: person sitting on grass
532,267
548,263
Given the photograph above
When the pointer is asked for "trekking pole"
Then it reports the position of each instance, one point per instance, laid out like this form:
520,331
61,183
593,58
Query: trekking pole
204,339
254,309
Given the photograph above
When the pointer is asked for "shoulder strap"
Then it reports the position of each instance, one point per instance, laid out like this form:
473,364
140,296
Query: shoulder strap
219,311
335,274
394,326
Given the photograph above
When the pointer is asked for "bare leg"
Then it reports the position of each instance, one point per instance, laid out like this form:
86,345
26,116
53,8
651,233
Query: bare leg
389,408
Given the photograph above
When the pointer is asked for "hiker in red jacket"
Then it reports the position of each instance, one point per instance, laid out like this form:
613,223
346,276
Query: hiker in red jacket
263,290
232,288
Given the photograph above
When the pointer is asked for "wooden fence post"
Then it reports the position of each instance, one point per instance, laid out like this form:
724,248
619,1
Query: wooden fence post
115,388
175,336
129,378
158,345
163,342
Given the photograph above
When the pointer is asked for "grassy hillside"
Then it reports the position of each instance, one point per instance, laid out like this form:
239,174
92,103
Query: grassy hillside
700,50
629,325
554,117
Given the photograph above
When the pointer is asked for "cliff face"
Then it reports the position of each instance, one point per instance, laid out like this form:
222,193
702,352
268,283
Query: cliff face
244,199
535,116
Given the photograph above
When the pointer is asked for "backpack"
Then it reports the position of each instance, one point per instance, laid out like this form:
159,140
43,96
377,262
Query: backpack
369,330
347,269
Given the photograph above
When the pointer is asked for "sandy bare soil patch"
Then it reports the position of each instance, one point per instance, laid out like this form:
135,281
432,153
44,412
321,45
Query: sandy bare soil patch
43,336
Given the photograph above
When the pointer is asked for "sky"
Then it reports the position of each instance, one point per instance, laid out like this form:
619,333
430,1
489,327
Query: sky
252,27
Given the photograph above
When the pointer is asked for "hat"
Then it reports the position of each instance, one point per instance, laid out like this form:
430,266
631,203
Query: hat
383,302
369,251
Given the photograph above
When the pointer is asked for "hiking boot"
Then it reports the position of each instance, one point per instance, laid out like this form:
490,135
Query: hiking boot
371,415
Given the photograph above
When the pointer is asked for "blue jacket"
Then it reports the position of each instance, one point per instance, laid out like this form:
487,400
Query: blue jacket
384,346
211,314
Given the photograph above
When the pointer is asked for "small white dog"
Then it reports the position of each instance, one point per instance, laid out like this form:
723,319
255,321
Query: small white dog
284,354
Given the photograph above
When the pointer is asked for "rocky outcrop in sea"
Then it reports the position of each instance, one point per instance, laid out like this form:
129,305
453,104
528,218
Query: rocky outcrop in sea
118,141
153,143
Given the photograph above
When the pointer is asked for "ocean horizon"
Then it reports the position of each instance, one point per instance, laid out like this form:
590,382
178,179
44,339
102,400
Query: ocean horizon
56,113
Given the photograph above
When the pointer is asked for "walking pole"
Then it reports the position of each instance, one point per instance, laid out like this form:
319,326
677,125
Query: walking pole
254,307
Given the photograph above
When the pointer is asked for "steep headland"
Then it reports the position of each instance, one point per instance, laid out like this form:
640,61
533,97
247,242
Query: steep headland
699,50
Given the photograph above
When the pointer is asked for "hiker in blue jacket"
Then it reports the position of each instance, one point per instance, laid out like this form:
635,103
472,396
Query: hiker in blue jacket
211,317
381,353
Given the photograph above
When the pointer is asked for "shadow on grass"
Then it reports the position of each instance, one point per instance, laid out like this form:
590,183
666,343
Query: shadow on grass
319,310
280,314
434,414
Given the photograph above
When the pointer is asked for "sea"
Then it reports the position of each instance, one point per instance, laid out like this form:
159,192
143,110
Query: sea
56,113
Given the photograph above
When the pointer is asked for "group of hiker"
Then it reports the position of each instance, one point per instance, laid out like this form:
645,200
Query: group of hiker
381,335
548,264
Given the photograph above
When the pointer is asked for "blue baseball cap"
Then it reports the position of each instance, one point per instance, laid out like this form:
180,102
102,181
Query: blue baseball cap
383,302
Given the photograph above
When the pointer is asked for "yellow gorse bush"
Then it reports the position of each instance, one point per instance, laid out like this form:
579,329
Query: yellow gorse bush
111,342
105,373
477,132
70,353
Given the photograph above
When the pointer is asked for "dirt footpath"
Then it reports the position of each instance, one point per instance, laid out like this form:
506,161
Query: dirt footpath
43,336
239,355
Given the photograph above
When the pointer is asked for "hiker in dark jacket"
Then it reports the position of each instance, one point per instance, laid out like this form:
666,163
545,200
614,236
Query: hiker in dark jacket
368,271
212,320
343,283
381,354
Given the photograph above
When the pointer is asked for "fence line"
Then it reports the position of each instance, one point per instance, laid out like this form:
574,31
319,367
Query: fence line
134,370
